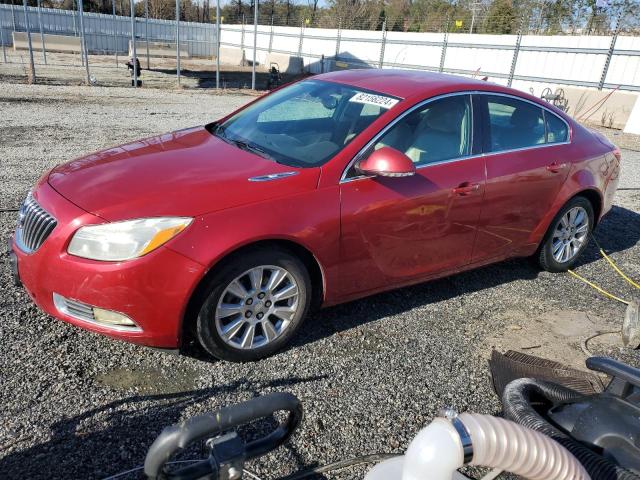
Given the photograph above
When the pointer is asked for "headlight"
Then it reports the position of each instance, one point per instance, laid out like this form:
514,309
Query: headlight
125,240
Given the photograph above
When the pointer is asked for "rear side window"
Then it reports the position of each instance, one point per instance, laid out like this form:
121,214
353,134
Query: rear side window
557,131
514,124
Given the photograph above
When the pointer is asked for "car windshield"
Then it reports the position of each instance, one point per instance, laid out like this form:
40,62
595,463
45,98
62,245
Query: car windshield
305,124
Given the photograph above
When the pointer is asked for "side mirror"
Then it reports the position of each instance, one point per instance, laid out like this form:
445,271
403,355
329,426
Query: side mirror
387,162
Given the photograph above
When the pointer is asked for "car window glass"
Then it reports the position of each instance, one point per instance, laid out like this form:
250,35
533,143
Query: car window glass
557,130
514,124
305,124
441,130
303,107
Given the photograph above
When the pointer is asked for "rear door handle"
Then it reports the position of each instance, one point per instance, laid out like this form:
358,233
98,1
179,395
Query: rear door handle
556,167
466,188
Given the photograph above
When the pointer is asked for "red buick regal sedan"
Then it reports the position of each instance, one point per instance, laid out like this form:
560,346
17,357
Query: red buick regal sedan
326,190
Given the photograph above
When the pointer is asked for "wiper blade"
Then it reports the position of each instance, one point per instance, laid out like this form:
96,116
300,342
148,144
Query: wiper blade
250,147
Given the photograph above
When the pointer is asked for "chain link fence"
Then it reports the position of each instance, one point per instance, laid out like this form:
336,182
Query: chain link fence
72,45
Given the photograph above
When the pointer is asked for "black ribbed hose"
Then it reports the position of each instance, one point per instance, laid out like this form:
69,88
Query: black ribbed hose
517,400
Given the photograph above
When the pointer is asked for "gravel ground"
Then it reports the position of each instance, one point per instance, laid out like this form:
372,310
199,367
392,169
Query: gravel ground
371,373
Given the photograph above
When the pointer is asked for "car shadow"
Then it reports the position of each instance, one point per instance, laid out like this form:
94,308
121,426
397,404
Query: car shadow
619,230
115,437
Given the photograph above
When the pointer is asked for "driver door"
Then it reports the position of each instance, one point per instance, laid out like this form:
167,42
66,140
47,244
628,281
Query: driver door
399,230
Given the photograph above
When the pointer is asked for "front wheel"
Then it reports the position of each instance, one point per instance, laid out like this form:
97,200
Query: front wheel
567,236
254,306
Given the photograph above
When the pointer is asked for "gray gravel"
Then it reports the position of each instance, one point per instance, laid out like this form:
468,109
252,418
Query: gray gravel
370,373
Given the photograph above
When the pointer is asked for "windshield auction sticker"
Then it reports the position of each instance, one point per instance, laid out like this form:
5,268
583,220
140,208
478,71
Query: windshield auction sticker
371,99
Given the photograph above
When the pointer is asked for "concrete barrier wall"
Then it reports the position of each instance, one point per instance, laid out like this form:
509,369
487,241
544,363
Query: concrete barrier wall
232,56
158,49
582,61
53,43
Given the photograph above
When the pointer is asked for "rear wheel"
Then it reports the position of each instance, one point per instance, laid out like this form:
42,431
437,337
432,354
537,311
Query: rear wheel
567,236
254,306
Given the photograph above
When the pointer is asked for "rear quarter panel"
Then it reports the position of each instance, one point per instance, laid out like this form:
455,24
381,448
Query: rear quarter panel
594,168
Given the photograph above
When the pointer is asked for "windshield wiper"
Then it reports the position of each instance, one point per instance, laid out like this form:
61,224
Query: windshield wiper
219,132
250,147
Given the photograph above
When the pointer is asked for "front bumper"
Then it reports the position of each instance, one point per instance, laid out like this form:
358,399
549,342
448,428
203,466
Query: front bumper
152,290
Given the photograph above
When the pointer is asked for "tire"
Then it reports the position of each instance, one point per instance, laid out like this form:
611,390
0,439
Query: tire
256,319
563,260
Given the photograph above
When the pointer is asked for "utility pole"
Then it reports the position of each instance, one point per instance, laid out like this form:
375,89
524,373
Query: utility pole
474,6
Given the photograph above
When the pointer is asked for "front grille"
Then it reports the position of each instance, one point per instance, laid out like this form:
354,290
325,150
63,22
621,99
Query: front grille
73,308
35,224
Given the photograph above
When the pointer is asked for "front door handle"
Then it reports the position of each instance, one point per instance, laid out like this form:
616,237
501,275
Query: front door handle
556,167
466,188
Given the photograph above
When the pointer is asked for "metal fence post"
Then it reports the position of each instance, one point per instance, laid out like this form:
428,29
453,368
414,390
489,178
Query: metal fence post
607,62
443,54
13,16
301,39
338,35
75,20
514,60
4,48
255,44
217,44
177,40
115,29
271,35
83,42
242,35
383,44
32,74
146,28
42,43
134,52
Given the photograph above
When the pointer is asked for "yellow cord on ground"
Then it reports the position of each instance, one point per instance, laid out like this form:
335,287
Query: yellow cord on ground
611,262
615,267
601,290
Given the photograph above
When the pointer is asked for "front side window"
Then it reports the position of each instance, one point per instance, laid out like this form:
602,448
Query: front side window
514,124
305,124
438,131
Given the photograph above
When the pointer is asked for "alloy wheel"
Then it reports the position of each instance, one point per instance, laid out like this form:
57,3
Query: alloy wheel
257,307
570,234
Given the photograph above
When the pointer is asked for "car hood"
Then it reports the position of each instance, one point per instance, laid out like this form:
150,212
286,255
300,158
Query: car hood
184,173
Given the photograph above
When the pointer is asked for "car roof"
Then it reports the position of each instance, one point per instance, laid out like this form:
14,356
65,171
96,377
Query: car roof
406,83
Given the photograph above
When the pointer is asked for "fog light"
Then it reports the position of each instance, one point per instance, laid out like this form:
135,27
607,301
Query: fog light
97,316
109,317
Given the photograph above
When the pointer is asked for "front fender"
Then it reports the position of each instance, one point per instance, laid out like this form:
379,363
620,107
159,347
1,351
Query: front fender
310,219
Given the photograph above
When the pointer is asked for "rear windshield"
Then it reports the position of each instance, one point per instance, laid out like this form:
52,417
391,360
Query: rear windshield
305,124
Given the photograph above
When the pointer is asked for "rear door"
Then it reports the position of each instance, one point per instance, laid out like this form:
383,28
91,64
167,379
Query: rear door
527,162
